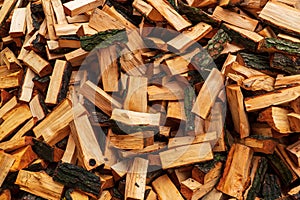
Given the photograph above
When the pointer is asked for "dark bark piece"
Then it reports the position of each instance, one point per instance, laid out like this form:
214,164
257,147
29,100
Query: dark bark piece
78,178
271,187
217,44
46,152
279,45
286,63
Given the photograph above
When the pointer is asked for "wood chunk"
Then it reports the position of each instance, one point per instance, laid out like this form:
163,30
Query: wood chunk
120,169
12,103
24,129
186,155
135,118
176,111
205,176
23,158
236,173
201,3
5,194
273,98
165,189
78,19
169,91
286,81
76,57
236,105
271,15
59,12
50,18
27,87
294,122
136,179
148,149
177,65
266,146
18,23
293,150
14,144
99,97
13,119
40,184
189,187
84,137
208,93
66,29
214,195
85,29
235,19
6,9
6,162
59,81
107,181
165,9
10,59
37,64
131,141
273,45
105,195
148,11
76,195
70,152
136,99
288,37
190,36
37,107
277,118
74,8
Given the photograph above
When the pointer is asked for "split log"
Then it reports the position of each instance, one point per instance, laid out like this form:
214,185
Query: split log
14,144
50,18
10,59
46,152
7,161
75,8
205,173
293,150
294,121
37,107
148,11
6,9
23,158
272,45
27,87
37,64
262,145
136,98
189,187
18,23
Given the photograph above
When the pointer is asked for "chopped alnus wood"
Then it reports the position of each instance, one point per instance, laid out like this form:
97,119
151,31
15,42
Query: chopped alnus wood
271,14
18,23
14,144
263,145
76,195
84,137
23,158
235,19
189,187
277,118
37,107
294,121
208,93
100,98
85,29
57,89
177,65
133,141
50,18
170,14
7,7
11,104
40,184
148,11
272,45
78,178
239,116
204,176
59,12
169,91
136,98
14,118
74,8
185,155
175,111
37,64
214,195
135,118
136,179
24,129
120,169
27,86
190,36
286,81
66,29
165,189
105,195
10,59
78,19
294,150
6,162
70,153
201,3
235,178
76,57
273,98
10,79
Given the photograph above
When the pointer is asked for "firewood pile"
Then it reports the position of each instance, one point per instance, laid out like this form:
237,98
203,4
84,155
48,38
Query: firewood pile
149,99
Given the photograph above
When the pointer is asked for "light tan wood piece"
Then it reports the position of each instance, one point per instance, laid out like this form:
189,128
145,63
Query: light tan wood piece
18,23
6,161
85,29
77,195
237,170
186,155
208,93
288,37
133,141
36,107
294,121
27,87
84,137
50,18
177,65
136,99
277,118
13,119
37,64
136,179
287,81
24,129
99,97
40,184
12,103
165,189
70,152
239,116
120,169
168,91
205,177
190,36
175,111
77,7
214,195
266,146
165,9
10,78
14,144
135,118
201,3
147,10
66,29
6,8
76,57
10,59
23,158
105,195
59,12
151,194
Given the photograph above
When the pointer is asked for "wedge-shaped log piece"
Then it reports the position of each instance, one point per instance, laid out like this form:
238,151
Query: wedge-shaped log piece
10,59
100,98
105,195
13,119
201,3
294,152
78,19
40,184
277,118
204,174
70,152
6,161
262,145
27,86
176,111
190,36
78,178
136,118
235,19
12,103
120,169
204,189
37,107
189,187
136,99
59,81
178,65
236,105
73,8
169,91
37,64
214,195
14,144
24,129
66,29
84,137
148,11
6,9
18,23
186,155
170,14
136,179
273,98
271,14
23,158
165,189
50,18
85,29
285,62
130,141
208,93
237,170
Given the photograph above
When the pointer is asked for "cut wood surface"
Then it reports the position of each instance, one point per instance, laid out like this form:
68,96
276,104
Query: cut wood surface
77,7
18,23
